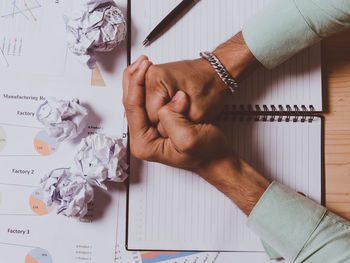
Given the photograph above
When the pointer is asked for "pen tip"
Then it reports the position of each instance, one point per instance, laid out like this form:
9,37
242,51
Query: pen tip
146,42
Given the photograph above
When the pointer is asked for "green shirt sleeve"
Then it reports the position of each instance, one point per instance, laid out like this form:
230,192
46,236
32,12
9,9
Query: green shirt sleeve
285,27
298,229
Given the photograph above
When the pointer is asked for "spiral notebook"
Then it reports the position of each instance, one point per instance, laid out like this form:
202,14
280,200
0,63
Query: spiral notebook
271,122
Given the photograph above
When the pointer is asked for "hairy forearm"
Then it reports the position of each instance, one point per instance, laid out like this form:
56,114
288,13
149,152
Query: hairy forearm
232,176
235,55
238,181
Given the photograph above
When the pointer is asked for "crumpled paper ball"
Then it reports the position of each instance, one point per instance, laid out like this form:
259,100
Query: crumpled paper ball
99,26
101,158
71,192
63,119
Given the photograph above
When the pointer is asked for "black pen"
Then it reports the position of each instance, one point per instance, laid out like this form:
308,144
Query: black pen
169,20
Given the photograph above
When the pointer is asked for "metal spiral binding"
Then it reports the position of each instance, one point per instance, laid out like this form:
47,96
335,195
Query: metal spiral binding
273,116
265,113
296,117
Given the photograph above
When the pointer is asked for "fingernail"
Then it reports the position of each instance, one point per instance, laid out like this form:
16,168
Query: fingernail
176,97
138,60
136,64
142,65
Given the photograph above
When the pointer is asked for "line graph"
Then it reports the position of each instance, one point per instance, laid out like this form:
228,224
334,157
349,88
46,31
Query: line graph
30,30
17,18
10,46
23,8
3,60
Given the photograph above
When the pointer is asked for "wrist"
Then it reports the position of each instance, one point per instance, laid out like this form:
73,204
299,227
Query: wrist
237,180
237,58
209,76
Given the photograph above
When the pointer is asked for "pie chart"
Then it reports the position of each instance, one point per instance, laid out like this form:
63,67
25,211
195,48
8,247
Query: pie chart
44,144
3,138
38,255
37,205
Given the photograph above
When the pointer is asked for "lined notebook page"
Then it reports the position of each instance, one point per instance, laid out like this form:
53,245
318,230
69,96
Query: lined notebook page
208,24
171,209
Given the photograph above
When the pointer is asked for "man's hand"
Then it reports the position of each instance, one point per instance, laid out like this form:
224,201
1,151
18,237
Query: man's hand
194,147
200,148
196,78
207,93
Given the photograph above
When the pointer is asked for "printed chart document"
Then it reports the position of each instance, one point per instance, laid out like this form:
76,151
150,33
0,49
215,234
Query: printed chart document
29,230
32,36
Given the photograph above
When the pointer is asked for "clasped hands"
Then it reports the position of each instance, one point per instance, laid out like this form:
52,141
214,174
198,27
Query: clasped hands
166,106
170,109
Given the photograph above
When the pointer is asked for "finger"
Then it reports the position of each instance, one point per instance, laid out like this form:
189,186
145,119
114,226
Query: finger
159,150
157,93
137,62
179,104
125,84
135,100
128,72
179,129
135,86
155,99
139,76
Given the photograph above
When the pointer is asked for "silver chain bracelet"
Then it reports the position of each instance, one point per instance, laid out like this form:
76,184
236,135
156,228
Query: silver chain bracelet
224,75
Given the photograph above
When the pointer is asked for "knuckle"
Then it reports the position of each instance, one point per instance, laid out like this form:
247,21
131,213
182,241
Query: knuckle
131,113
130,110
197,115
127,105
154,74
143,57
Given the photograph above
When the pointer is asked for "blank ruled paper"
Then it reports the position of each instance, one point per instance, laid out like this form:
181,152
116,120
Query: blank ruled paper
171,209
210,23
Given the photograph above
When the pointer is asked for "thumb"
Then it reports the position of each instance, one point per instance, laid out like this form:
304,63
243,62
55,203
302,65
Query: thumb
175,124
178,104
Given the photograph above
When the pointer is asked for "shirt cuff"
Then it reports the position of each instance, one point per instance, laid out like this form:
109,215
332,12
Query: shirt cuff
278,32
271,253
284,27
285,220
